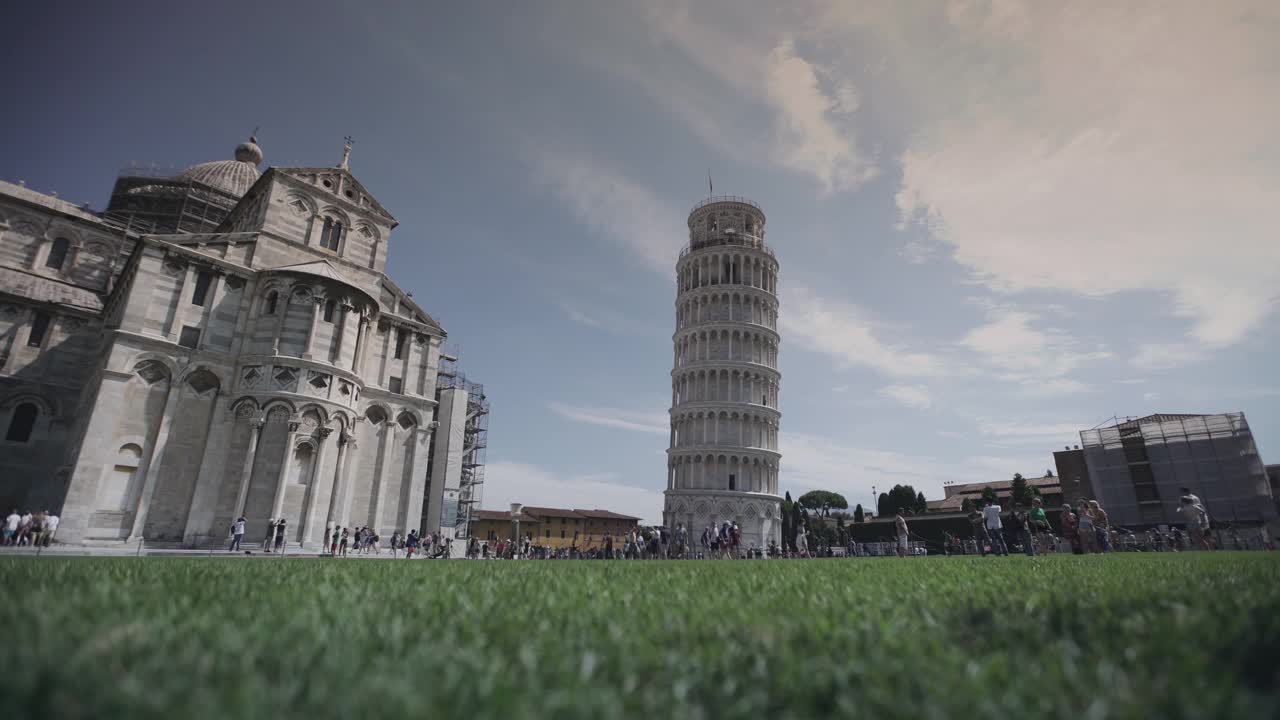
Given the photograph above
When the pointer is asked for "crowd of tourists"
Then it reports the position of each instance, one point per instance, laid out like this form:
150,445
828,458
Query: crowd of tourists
30,529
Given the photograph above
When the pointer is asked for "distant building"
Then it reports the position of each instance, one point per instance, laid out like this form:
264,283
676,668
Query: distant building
955,494
553,527
1137,467
1073,475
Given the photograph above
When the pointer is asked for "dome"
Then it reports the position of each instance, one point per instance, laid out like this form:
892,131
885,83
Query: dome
233,177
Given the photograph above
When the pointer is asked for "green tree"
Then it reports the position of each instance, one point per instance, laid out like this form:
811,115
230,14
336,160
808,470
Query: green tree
966,505
858,515
1020,492
882,505
988,495
788,536
842,537
921,505
824,501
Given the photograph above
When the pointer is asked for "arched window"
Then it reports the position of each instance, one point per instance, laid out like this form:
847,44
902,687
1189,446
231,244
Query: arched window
269,306
331,234
328,311
22,423
119,483
58,253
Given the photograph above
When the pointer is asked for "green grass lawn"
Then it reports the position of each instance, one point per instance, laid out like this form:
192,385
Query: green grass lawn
1139,636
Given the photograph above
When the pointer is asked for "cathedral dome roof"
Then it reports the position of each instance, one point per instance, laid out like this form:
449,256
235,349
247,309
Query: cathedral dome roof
233,177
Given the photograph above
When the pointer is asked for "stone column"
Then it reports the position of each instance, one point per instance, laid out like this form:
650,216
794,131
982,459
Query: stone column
384,472
418,476
317,309
246,471
153,460
339,332
357,357
210,302
277,505
204,496
175,319
308,503
388,355
336,488
283,300
348,487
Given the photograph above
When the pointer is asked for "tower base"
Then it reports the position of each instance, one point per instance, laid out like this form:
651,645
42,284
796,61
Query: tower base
758,516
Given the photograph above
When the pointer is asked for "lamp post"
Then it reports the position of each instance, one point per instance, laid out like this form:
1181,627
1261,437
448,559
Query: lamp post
515,519
874,500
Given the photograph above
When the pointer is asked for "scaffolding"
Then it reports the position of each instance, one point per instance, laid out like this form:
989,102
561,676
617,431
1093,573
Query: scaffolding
1138,467
475,440
151,201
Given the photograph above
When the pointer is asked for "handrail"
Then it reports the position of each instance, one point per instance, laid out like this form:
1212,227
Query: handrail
724,198
749,242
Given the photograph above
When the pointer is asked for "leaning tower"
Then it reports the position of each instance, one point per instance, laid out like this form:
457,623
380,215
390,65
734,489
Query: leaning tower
723,459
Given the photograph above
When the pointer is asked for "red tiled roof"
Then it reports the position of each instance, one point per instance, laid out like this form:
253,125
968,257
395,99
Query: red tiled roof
550,512
605,515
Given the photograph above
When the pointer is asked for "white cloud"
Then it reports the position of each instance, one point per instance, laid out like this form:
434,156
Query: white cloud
1162,356
1018,344
1058,387
756,65
657,423
912,396
840,330
808,138
508,482
612,205
1151,396
1014,431
1097,148
577,315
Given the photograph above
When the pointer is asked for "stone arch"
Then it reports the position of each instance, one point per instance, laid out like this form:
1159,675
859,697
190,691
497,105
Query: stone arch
377,414
407,418
156,362
278,410
202,381
246,408
321,413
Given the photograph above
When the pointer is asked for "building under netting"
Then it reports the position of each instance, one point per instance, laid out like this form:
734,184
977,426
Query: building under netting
455,482
1138,467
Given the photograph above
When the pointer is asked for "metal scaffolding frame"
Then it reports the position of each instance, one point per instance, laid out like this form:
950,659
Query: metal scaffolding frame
475,439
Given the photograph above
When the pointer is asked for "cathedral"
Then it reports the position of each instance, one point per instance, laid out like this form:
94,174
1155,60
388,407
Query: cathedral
219,343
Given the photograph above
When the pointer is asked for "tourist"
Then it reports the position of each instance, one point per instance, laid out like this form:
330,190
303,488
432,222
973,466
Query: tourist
1088,536
1040,525
344,542
1197,521
979,526
396,542
995,528
802,542
1101,526
333,541
237,534
324,545
271,535
1071,529
280,529
904,540
706,541
11,524
1020,524
411,544
373,543
50,527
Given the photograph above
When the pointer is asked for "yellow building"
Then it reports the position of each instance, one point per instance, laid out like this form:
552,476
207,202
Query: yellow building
553,527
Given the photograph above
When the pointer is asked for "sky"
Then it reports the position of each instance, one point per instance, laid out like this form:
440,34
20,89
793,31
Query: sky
998,223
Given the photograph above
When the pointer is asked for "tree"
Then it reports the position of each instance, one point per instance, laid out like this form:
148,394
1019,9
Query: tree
988,495
858,515
900,498
966,505
1020,492
882,505
921,505
788,537
823,501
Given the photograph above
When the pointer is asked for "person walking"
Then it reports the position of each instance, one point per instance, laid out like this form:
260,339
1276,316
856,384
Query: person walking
11,524
1071,529
271,535
237,534
410,544
904,539
396,542
280,530
1020,524
1101,526
979,529
344,542
333,541
1040,526
995,528
1197,521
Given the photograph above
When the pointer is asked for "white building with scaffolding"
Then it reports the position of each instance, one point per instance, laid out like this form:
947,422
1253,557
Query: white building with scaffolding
722,463
455,483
